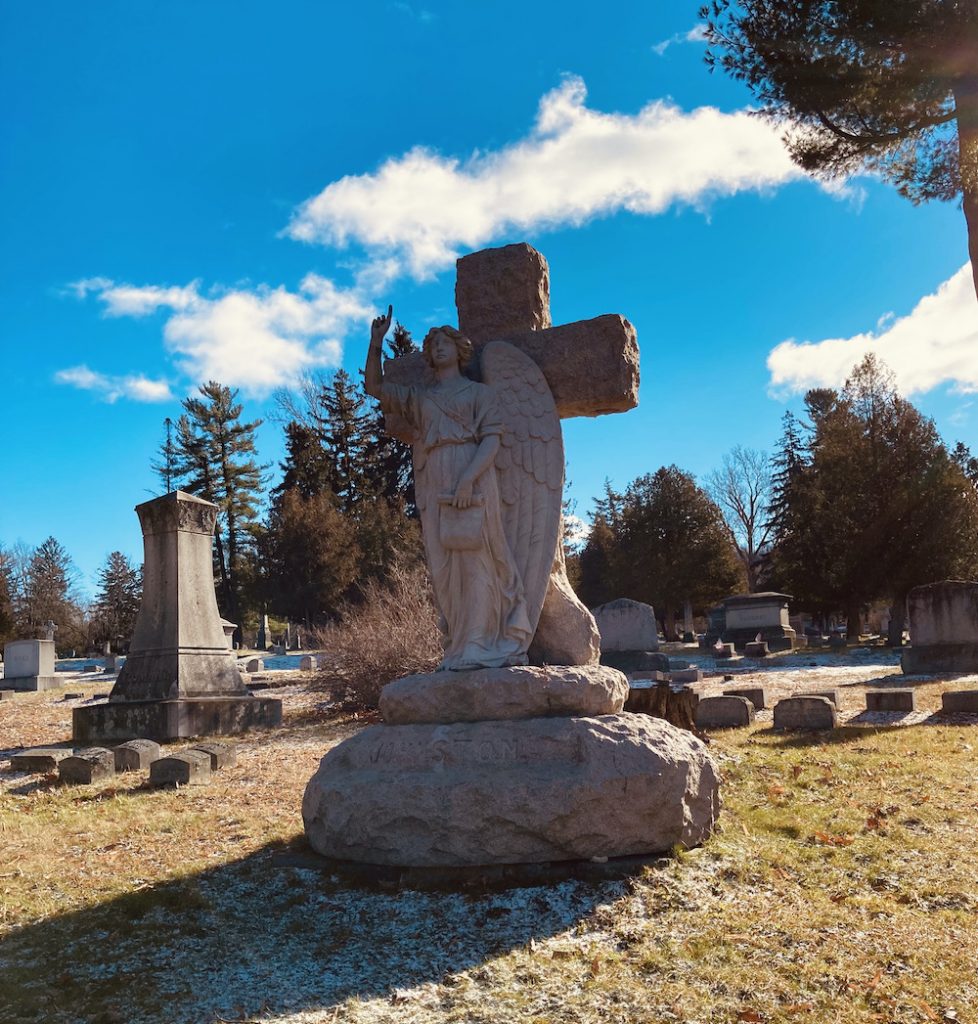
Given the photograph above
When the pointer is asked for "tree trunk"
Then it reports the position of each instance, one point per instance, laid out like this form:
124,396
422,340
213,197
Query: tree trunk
853,622
966,105
677,707
898,618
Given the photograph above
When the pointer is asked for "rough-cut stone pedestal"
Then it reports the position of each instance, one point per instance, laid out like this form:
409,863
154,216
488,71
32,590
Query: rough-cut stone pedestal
178,680
524,789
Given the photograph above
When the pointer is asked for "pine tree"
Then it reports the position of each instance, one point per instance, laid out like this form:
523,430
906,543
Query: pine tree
49,585
215,459
165,467
117,601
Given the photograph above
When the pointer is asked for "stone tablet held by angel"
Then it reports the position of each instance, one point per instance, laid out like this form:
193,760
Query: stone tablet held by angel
488,475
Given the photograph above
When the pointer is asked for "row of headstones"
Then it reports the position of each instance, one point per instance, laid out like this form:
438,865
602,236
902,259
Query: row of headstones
92,764
815,710
307,663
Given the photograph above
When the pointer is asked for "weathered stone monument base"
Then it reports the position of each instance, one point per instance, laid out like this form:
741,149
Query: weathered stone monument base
523,791
928,659
29,665
586,781
165,720
943,628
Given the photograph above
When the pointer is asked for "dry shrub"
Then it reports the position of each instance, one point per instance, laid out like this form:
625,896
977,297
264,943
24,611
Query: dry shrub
392,632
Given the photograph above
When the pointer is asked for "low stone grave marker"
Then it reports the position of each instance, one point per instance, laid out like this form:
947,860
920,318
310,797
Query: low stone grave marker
92,764
805,712
72,696
961,701
686,675
186,768
136,755
308,663
39,759
648,677
255,665
757,695
724,712
7,694
756,649
723,651
891,700
222,755
91,668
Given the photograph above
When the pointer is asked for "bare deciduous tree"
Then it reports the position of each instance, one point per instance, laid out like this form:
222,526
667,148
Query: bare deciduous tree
742,489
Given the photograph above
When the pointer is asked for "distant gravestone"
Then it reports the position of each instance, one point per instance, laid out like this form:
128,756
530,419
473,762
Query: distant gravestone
943,628
261,643
136,755
686,675
799,713
86,766
960,701
308,663
891,700
109,663
186,768
757,695
29,665
724,712
229,628
830,695
750,618
255,665
222,755
178,680
39,759
756,649
626,625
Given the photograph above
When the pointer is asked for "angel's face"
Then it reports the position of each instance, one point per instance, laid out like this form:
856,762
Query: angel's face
443,350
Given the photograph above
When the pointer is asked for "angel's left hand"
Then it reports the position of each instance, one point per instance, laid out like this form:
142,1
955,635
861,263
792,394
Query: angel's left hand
463,494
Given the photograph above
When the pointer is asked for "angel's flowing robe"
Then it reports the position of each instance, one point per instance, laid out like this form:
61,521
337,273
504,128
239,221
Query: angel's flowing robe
479,592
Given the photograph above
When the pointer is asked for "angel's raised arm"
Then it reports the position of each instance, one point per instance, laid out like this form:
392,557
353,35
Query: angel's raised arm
373,372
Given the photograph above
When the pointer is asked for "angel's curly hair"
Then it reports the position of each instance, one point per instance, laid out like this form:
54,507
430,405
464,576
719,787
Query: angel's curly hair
462,344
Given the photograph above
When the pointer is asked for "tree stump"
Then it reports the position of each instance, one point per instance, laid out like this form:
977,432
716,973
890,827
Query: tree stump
676,706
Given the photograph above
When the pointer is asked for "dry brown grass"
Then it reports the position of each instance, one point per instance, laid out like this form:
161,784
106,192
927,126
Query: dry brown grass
839,890
392,632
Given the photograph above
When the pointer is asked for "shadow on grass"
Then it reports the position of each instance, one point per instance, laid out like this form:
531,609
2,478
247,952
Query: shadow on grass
263,936
816,737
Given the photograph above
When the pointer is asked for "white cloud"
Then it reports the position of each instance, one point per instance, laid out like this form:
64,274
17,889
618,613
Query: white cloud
697,34
256,339
936,343
112,388
423,208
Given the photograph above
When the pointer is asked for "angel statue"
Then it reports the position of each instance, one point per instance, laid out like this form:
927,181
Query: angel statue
488,476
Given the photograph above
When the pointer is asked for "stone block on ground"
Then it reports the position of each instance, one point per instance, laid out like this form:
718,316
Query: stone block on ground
648,677
89,765
504,792
961,701
186,768
756,649
891,700
308,663
686,675
255,665
8,694
504,693
724,712
39,759
136,755
797,713
757,695
222,755
723,651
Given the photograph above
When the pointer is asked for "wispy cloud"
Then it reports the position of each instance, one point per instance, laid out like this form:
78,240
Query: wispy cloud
936,343
697,34
423,208
112,388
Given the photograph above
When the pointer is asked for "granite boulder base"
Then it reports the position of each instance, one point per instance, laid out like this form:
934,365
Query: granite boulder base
179,679
574,785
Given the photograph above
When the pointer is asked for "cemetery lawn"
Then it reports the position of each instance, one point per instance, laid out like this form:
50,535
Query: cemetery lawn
840,888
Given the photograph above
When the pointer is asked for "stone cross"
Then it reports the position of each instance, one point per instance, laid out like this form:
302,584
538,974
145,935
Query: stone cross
50,628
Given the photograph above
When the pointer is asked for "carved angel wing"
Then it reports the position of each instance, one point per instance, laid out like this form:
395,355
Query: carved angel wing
530,464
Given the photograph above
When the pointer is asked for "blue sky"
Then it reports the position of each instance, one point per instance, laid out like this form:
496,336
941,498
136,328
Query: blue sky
232,190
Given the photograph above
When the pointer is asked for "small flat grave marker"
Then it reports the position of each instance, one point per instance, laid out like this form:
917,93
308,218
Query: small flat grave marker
757,695
808,712
39,759
222,755
891,700
255,665
723,651
136,755
89,765
756,649
832,695
686,675
724,712
961,701
187,768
